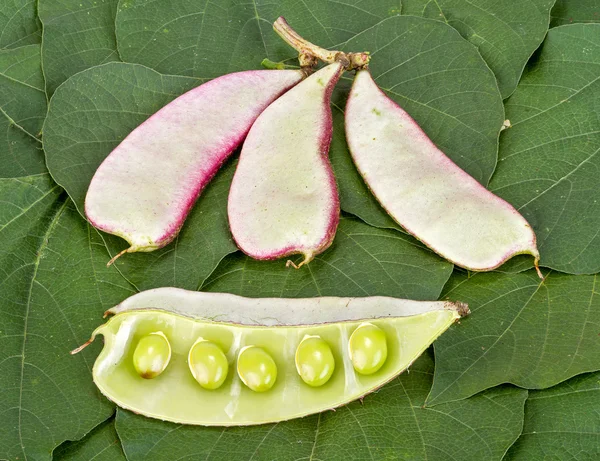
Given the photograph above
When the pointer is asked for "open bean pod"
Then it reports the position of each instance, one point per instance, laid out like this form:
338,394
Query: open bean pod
241,361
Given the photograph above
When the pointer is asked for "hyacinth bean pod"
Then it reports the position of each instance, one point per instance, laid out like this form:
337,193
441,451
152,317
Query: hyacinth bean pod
144,190
424,191
283,198
268,385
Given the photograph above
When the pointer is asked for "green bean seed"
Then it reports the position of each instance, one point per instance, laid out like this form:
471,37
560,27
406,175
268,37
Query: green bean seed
314,361
256,368
208,364
152,355
367,348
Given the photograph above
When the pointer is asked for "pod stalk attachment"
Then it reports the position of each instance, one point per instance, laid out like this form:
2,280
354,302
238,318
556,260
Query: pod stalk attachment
309,52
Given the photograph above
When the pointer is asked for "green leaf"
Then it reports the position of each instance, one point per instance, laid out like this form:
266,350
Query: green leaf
145,438
22,88
506,33
394,423
389,424
572,11
208,39
362,261
561,423
90,39
20,154
22,111
19,25
441,80
54,286
89,115
101,444
550,158
522,330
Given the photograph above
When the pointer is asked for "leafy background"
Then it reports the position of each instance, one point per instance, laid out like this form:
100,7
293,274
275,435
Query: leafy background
518,380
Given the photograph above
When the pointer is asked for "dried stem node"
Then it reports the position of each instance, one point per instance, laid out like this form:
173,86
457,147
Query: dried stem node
309,53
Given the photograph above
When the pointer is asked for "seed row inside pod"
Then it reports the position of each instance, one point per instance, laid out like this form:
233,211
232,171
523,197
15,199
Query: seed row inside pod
314,359
219,359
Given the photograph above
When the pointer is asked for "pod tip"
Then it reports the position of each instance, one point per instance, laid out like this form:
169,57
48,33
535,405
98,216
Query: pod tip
114,258
82,347
536,263
308,257
462,309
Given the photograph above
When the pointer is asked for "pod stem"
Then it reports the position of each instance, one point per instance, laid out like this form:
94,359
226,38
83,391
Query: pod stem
309,52
308,257
117,256
536,263
83,346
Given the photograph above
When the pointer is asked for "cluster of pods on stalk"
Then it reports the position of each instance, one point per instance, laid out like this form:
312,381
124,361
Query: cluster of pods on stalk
283,198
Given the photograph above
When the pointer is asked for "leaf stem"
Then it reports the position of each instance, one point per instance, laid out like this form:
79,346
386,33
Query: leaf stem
309,52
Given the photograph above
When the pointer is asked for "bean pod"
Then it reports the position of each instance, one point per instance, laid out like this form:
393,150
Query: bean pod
242,361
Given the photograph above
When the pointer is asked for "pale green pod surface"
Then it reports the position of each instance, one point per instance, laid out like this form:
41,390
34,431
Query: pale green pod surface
208,364
314,361
283,198
275,325
256,368
152,355
367,348
144,190
424,191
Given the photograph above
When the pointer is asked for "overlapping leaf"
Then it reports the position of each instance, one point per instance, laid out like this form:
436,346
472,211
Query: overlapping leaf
561,423
90,40
22,90
101,444
54,286
208,39
362,261
522,330
390,424
19,24
88,116
549,161
22,111
506,33
573,11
